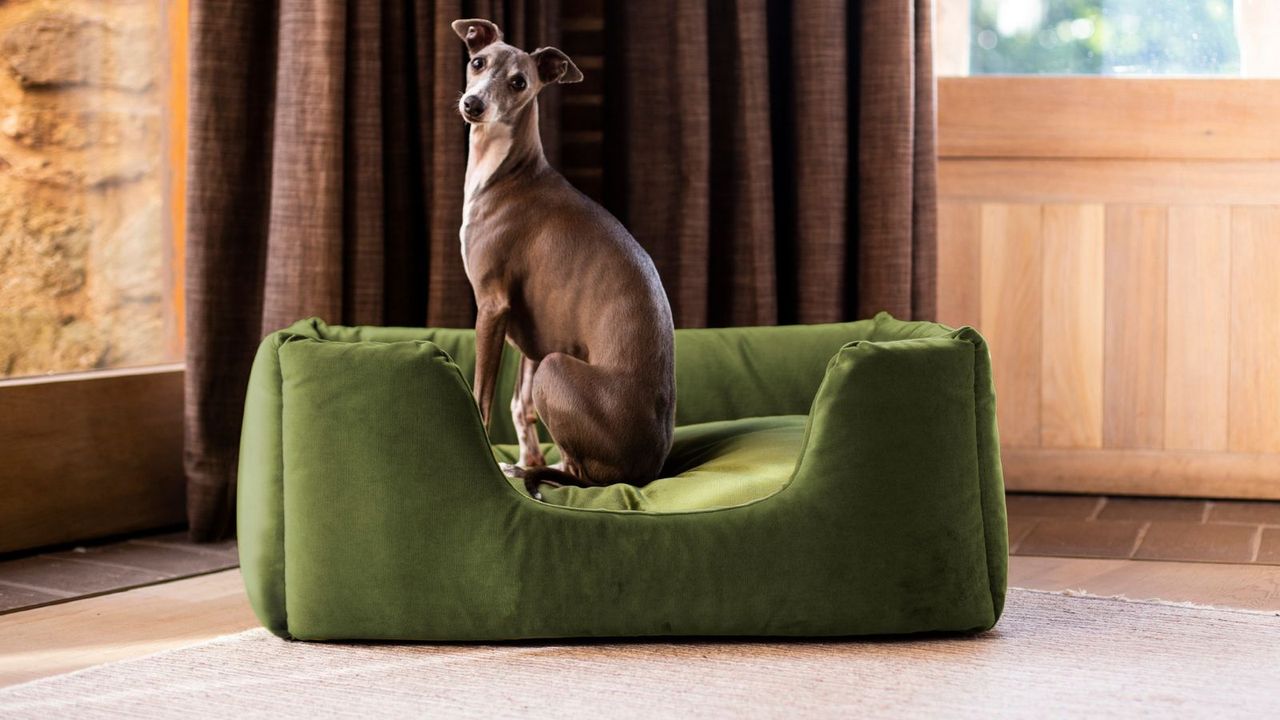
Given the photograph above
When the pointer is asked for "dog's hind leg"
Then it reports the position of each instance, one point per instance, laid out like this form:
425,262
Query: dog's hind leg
525,416
577,401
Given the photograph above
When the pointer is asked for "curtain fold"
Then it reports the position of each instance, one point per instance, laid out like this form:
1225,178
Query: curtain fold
326,160
776,157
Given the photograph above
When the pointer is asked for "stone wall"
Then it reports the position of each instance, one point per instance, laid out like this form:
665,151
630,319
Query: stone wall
83,238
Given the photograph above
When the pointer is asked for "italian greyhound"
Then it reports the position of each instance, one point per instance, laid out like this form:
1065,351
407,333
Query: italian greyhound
563,281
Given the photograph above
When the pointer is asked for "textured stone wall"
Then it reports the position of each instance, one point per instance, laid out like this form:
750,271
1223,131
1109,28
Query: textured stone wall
83,247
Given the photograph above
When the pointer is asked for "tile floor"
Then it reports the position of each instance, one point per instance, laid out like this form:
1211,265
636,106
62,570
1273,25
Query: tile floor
1083,526
1144,528
93,569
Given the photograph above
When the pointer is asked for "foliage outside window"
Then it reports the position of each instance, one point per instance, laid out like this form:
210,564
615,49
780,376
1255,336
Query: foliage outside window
1123,38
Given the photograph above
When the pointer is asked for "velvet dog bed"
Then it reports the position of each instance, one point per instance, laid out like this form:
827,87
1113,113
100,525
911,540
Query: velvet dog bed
826,480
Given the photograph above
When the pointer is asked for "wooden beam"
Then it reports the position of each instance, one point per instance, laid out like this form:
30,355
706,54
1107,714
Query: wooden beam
1135,182
1251,476
1107,117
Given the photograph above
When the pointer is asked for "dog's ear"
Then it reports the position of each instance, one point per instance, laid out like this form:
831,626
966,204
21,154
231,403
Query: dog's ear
477,33
555,66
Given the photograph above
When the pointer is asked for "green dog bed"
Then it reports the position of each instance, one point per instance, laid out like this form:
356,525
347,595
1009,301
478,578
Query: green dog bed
825,480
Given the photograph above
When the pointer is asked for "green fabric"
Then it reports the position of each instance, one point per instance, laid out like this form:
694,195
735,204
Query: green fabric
371,504
711,465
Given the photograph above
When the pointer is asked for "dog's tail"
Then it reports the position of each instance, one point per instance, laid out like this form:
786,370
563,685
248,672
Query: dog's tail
533,477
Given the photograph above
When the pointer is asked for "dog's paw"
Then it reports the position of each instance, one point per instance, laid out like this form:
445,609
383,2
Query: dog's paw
532,461
510,470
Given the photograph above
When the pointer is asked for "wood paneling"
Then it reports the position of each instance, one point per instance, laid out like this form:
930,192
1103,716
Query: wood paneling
1175,182
959,263
1010,316
1183,473
90,454
1072,321
1133,415
1155,209
1196,371
1095,117
1255,330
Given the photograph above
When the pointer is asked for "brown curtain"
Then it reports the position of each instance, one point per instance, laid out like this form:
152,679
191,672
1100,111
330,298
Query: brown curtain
776,157
326,162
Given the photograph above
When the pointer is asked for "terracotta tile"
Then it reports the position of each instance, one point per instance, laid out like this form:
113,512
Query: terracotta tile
1081,538
1051,506
1018,529
170,561
1260,512
1269,551
1122,508
13,597
1196,541
57,574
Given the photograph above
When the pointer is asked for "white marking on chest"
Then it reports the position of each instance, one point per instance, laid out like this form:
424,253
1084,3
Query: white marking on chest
490,145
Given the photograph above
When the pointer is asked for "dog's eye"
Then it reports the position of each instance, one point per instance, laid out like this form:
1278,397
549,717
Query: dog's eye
478,63
518,82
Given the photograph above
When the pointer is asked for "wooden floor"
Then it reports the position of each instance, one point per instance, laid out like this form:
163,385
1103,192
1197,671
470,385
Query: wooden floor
61,638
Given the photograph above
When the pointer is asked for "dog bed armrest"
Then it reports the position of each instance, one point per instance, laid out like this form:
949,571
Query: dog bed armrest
922,412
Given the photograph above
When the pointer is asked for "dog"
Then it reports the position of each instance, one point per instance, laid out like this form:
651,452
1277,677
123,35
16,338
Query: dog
563,281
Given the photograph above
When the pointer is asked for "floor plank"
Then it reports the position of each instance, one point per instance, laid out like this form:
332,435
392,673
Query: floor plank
60,638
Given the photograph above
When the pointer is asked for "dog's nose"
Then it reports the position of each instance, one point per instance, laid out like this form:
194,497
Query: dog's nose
473,105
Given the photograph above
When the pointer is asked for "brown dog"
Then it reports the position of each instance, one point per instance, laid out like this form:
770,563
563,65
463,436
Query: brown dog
561,279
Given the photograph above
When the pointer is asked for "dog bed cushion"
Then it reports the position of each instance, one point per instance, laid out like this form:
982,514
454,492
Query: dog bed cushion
711,465
827,480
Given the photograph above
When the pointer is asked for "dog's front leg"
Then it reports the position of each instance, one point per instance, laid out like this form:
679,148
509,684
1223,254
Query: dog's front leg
491,333
525,417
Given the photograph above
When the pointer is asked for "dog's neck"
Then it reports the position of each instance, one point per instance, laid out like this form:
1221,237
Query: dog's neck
500,149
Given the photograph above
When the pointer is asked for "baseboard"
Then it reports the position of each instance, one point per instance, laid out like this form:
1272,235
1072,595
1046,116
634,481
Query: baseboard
1251,476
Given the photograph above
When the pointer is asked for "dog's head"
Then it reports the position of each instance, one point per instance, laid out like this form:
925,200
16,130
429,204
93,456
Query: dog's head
502,79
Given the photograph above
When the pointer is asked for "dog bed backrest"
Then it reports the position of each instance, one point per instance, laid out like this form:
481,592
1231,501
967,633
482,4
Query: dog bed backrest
721,373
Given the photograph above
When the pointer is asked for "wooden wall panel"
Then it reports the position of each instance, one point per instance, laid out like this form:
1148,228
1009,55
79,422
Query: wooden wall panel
1105,180
1196,370
1180,329
1010,316
1040,117
959,263
1072,317
1133,414
118,471
1255,330
1183,473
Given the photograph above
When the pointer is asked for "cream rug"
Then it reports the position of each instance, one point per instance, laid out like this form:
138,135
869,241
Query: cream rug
1051,656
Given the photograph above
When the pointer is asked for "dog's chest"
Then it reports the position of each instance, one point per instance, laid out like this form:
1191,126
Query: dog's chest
471,234
485,157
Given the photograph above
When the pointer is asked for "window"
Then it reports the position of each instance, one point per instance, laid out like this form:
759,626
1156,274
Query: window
90,175
92,138
1139,38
